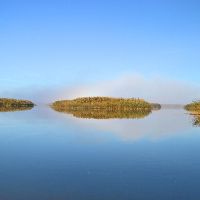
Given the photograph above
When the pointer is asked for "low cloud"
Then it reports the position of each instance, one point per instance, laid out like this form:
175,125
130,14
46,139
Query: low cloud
154,89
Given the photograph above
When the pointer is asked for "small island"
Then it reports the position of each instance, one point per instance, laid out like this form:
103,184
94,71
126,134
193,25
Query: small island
155,106
104,103
194,107
7,104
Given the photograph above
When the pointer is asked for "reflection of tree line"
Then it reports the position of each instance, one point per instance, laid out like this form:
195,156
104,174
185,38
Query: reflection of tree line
10,108
155,106
196,121
196,118
103,114
7,105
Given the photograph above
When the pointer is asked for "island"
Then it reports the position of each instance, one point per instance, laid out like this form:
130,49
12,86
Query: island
106,107
104,103
194,107
7,104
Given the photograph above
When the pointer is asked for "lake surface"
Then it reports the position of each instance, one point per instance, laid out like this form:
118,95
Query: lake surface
50,155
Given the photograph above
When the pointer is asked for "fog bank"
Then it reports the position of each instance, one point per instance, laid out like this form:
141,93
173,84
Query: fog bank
154,89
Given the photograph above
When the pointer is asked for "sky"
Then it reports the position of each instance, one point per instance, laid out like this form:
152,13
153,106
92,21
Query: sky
62,49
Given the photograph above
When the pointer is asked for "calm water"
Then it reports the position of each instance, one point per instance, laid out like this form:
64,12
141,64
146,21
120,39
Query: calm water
50,155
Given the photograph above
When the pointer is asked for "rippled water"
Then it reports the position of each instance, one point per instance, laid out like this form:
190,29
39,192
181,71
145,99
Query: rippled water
51,155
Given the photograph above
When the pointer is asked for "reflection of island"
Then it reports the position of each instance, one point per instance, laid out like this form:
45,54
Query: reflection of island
104,114
196,120
157,125
7,105
11,109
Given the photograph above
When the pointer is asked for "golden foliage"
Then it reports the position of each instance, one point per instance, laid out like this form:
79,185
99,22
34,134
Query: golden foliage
11,109
103,103
194,106
5,102
104,114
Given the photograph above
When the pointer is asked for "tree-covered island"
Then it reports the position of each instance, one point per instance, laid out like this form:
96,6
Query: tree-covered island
104,103
6,102
194,107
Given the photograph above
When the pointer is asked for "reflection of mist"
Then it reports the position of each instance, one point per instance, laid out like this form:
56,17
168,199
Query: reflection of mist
172,106
158,125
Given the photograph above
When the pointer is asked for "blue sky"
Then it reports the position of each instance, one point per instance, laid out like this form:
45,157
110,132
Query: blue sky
50,48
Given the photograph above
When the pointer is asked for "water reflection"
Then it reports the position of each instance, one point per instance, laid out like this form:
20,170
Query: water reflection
104,114
155,126
158,125
196,121
16,108
49,155
196,118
